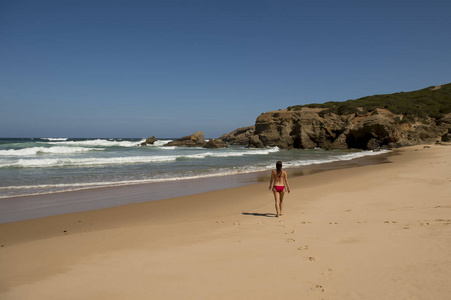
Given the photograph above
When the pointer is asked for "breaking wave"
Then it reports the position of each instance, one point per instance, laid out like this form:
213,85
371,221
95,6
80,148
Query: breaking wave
41,150
55,139
99,143
104,161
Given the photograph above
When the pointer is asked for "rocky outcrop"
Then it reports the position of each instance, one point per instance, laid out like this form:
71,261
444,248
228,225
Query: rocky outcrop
216,143
446,137
149,141
308,129
239,136
299,129
194,140
446,123
372,132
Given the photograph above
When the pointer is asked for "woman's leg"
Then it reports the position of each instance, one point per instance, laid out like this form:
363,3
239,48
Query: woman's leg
281,202
277,201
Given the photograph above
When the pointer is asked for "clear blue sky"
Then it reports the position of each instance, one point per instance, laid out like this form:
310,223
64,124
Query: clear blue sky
170,68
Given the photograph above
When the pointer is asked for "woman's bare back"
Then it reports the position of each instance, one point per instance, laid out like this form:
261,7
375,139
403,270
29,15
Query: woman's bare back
279,178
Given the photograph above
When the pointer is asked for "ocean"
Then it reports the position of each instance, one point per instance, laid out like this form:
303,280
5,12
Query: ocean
33,166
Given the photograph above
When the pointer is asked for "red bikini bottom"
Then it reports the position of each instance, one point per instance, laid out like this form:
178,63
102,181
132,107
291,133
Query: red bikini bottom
279,188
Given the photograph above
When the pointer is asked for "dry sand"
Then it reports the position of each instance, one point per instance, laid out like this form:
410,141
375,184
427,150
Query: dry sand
371,232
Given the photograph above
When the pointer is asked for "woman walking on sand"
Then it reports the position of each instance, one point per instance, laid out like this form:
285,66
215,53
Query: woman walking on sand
280,180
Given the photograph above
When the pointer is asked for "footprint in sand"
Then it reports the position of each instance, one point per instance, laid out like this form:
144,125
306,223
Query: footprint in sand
317,287
311,258
290,240
303,248
291,232
306,222
220,222
443,220
361,222
333,223
327,273
236,223
390,222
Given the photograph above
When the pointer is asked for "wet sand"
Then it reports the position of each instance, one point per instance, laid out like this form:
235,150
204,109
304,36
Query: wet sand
369,232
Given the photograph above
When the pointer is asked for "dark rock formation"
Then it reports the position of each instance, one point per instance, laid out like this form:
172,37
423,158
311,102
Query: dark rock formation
307,129
194,140
239,136
149,141
370,132
300,129
446,137
255,142
216,143
446,123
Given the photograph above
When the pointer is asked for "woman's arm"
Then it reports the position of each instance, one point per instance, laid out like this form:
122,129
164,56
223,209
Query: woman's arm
286,182
271,180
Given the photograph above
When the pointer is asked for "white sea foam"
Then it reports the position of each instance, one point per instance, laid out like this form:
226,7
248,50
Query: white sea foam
330,159
233,153
47,162
100,143
85,162
55,139
40,150
160,143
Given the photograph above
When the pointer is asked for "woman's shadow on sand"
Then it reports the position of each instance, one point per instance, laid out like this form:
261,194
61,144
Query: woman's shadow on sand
268,215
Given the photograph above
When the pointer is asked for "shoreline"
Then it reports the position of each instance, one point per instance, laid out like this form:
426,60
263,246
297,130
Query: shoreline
374,232
20,208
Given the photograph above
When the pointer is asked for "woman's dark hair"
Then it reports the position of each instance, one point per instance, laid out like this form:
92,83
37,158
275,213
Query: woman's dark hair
279,168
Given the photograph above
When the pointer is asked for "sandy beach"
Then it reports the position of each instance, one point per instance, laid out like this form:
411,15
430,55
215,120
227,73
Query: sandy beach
370,232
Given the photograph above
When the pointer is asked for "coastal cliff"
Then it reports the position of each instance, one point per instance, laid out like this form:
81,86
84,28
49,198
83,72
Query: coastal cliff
373,122
307,129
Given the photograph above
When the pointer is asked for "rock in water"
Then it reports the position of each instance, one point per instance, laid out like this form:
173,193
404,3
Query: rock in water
149,141
239,136
216,143
194,140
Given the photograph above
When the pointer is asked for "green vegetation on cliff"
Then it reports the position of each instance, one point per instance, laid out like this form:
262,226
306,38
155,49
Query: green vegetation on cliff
432,102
